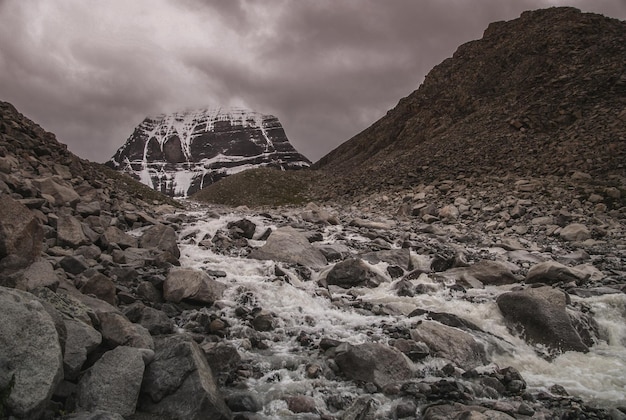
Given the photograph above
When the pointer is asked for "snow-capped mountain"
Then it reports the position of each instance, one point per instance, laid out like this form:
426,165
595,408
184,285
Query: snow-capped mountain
181,153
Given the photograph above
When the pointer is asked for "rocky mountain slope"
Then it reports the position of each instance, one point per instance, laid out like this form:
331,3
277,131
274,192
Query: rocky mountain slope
542,94
181,153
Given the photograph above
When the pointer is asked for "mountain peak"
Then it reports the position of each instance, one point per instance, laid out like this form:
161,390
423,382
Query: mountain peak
182,152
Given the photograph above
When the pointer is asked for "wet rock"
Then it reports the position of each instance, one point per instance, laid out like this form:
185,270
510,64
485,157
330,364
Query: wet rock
161,237
286,244
244,401
450,343
551,272
353,272
263,321
575,232
244,227
178,383
193,285
373,362
113,382
398,257
541,314
364,408
29,351
81,340
412,349
223,358
301,404
21,234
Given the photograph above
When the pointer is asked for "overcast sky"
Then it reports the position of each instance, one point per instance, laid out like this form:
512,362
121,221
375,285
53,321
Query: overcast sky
90,71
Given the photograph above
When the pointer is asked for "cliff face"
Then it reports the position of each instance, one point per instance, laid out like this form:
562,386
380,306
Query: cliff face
180,153
542,94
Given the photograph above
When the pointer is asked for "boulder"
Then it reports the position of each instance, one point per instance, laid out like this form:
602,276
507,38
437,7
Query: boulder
161,237
60,190
29,351
353,272
92,208
192,285
155,321
314,214
70,232
373,362
450,343
113,382
482,273
81,340
101,287
94,415
551,272
178,383
39,274
21,234
286,244
399,257
541,314
243,227
117,330
575,232
115,236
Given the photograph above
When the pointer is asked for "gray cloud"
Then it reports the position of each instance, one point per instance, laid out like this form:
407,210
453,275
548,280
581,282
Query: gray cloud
91,71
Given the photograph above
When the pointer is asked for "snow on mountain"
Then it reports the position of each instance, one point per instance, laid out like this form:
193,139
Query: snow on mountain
181,153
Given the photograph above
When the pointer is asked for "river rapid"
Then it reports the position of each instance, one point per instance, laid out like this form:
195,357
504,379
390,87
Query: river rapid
289,361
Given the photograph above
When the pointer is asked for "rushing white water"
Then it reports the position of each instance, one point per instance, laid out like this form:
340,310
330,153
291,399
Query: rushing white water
303,307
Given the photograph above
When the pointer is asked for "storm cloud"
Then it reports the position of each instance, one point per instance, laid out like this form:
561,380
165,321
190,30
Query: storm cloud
90,71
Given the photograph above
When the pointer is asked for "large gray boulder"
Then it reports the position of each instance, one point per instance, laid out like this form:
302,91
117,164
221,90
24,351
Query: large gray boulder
541,313
192,285
373,362
551,272
399,257
353,272
451,344
29,351
21,234
113,382
286,244
482,273
179,384
161,237
575,232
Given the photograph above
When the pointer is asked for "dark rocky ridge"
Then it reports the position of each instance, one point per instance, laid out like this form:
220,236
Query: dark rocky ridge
541,94
180,154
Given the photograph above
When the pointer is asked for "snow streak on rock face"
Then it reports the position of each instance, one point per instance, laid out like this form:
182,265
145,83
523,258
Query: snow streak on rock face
181,153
